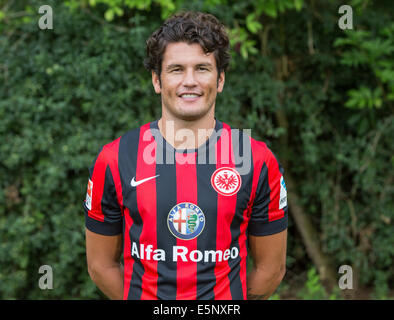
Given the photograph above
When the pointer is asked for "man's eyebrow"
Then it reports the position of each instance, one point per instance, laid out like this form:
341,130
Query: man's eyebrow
206,64
171,66
175,65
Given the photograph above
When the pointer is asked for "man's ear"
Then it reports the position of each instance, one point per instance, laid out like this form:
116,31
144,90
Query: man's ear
156,82
220,82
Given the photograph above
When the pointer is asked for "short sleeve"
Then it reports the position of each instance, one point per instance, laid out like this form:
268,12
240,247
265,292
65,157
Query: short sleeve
269,209
103,214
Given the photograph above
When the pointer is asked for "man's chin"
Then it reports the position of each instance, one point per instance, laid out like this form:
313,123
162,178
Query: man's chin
190,115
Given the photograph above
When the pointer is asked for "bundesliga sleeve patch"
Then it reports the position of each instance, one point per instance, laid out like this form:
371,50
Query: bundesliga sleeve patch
89,193
283,194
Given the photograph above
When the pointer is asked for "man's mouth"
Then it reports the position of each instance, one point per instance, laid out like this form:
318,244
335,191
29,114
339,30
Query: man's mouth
190,96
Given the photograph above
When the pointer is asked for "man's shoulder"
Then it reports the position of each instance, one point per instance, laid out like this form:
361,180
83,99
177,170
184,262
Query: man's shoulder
259,148
111,149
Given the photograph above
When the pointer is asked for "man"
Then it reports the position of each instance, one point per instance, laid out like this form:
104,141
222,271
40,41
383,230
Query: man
176,197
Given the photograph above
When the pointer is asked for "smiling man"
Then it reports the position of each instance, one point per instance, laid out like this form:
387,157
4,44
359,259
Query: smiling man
188,83
186,222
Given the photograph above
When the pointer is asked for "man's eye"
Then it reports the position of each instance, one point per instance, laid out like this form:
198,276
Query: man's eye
202,69
176,70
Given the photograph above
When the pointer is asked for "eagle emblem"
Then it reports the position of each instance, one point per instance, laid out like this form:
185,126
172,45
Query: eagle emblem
226,181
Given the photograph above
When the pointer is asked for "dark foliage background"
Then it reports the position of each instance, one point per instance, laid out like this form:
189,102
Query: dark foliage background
320,97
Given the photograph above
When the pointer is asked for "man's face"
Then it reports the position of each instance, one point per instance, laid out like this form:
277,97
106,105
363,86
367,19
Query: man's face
189,81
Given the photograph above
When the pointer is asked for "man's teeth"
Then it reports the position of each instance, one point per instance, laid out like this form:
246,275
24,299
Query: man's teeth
189,95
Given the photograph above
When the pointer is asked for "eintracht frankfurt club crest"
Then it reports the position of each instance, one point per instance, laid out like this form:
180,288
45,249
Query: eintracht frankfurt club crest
226,181
186,221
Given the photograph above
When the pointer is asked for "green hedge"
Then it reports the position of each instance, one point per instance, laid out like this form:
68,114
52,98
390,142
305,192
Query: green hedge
65,92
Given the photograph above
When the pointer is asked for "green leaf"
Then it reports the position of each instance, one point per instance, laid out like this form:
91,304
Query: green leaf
244,51
298,4
270,9
118,11
253,25
109,15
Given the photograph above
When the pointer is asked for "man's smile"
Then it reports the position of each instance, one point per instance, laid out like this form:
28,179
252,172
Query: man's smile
190,96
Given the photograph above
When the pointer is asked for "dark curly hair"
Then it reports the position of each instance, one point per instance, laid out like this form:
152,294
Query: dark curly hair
190,27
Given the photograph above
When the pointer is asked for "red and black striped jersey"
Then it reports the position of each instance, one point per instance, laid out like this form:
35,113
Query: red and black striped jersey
185,215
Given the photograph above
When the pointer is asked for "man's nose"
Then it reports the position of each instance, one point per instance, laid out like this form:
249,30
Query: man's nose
189,79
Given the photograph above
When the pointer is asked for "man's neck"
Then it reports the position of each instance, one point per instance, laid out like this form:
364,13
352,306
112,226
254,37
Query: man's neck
183,134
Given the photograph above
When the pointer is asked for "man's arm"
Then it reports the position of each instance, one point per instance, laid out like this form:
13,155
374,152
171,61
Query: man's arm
269,264
103,254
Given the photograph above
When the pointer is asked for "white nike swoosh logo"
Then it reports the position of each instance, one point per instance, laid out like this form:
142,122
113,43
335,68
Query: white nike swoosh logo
136,183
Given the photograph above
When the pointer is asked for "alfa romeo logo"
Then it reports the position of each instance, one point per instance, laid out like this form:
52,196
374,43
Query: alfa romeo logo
186,221
226,181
